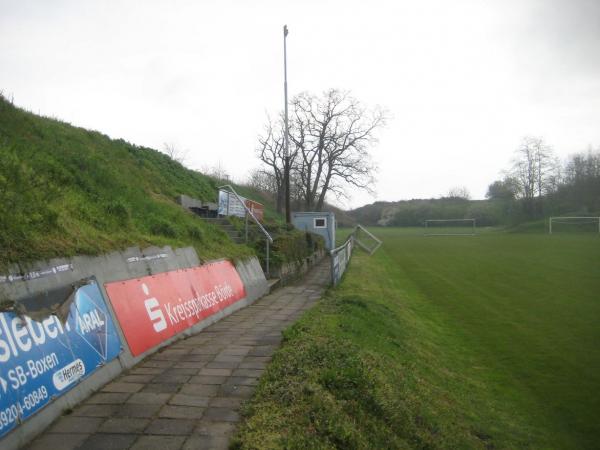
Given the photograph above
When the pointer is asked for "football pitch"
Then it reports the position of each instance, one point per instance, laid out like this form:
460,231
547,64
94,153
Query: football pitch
443,342
519,318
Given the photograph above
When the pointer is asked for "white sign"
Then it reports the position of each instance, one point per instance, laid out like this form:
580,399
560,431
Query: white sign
229,205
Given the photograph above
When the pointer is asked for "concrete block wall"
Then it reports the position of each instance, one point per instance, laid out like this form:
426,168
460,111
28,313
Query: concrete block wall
289,272
189,202
129,264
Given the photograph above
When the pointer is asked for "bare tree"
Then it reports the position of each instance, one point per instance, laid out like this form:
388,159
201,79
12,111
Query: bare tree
271,152
459,192
581,183
332,136
174,152
535,169
262,180
10,98
218,172
583,166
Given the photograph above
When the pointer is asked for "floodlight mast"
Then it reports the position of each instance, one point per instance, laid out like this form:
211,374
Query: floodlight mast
286,167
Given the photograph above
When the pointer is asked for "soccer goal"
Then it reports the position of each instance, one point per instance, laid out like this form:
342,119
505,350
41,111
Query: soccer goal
574,224
366,240
450,227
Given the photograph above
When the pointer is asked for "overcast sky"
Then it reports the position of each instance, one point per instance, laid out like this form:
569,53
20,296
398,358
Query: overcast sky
464,81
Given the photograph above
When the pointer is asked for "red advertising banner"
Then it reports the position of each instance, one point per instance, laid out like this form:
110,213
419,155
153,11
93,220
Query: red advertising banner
154,308
257,209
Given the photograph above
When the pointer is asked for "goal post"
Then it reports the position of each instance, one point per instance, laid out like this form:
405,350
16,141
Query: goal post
450,227
580,223
366,240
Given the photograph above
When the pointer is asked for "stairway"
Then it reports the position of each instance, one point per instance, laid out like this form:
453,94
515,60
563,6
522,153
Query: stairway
227,227
237,237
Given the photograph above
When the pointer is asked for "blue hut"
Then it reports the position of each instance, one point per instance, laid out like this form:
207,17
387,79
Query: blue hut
321,223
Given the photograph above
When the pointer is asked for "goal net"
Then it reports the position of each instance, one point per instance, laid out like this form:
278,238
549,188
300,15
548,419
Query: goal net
366,240
574,224
449,227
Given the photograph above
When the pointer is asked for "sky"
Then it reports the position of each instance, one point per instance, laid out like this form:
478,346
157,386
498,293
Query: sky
464,81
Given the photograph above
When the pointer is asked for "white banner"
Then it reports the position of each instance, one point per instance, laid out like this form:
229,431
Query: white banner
229,205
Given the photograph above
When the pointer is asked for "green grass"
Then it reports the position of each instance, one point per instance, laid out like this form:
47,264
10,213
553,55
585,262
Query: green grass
66,191
443,342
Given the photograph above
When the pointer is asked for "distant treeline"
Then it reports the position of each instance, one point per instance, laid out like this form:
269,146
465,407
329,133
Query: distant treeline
533,189
414,212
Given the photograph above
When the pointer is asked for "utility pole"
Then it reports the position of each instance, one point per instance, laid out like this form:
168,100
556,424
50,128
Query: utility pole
286,168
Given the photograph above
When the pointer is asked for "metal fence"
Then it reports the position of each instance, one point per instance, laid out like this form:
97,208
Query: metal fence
340,257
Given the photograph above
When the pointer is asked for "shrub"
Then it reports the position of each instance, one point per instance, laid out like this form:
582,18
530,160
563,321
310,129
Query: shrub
163,228
119,211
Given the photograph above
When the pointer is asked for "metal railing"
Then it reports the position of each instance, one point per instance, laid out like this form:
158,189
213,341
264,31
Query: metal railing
268,238
340,257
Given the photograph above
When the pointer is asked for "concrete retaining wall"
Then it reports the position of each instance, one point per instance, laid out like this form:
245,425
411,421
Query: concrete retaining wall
132,263
289,272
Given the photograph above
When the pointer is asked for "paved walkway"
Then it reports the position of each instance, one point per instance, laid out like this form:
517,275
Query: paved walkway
188,395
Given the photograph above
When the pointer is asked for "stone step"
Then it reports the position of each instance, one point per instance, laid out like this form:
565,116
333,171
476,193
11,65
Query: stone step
274,283
227,227
216,220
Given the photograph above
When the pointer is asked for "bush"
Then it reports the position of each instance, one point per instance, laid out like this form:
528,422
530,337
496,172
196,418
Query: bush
119,211
196,233
163,228
289,244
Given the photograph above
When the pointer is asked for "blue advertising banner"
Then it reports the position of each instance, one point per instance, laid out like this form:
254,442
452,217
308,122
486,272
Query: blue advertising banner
42,360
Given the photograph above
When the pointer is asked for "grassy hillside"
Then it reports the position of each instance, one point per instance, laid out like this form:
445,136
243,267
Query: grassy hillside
414,212
487,342
66,191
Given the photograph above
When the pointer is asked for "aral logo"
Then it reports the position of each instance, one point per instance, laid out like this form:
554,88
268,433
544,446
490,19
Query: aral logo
154,312
90,321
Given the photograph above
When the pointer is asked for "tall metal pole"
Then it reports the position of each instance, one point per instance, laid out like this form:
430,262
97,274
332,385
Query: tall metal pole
286,168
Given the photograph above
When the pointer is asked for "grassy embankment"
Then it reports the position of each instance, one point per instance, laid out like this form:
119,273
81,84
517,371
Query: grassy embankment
443,342
66,191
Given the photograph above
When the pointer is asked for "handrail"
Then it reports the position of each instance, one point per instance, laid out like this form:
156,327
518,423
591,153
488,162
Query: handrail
341,247
265,232
340,256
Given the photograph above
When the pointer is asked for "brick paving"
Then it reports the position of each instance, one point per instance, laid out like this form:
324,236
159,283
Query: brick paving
188,395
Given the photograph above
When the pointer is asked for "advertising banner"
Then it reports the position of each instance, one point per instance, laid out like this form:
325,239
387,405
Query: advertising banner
223,203
257,209
154,308
230,205
40,360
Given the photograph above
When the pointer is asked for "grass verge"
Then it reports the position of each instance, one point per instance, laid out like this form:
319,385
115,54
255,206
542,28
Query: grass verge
485,342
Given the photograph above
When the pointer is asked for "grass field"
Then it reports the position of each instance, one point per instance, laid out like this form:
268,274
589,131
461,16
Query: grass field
487,342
